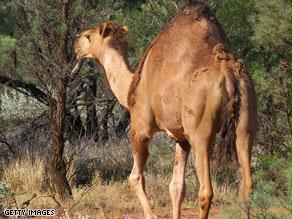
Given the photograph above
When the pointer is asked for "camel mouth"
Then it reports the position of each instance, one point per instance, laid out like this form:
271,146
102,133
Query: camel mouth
78,53
80,56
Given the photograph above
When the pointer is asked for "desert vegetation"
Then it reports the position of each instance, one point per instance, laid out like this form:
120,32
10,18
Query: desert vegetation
49,116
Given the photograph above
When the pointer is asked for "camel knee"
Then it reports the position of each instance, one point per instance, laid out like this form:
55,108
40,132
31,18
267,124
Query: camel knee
139,138
139,143
205,199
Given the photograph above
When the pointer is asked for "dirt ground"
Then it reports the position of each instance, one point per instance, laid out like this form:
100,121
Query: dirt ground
165,213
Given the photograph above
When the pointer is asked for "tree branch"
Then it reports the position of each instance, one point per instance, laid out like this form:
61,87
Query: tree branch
31,89
3,140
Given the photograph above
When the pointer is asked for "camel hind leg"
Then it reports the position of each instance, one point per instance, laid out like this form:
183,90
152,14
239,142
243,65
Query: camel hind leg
243,149
200,133
200,117
177,184
201,145
245,135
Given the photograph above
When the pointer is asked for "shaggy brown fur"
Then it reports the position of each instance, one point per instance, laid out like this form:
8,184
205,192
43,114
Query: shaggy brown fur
188,84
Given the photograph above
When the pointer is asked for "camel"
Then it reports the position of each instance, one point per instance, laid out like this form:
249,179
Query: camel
190,85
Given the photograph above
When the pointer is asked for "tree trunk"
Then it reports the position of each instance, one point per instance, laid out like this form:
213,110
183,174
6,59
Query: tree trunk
104,133
91,118
58,165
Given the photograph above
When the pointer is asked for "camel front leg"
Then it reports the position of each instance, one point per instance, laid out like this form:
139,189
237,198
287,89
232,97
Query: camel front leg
140,143
177,184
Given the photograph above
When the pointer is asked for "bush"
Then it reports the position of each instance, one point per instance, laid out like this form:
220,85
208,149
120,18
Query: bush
272,188
5,193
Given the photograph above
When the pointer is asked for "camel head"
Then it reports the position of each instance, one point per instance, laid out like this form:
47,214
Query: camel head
94,43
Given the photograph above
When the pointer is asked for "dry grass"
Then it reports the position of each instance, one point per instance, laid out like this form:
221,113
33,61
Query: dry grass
24,176
111,198
98,200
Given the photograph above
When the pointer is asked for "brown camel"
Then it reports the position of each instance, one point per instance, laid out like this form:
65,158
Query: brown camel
188,84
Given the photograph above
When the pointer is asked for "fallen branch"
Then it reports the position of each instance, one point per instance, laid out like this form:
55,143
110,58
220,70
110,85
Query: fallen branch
25,204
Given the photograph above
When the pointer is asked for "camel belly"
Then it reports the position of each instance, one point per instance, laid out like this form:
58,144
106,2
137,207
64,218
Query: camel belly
173,127
176,135
167,115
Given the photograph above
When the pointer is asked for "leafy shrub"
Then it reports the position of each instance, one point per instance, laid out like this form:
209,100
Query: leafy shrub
272,186
5,193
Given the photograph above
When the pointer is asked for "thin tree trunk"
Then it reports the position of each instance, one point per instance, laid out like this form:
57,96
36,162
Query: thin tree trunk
91,118
58,166
104,133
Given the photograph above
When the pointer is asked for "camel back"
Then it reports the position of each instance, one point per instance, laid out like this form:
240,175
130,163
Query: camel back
195,12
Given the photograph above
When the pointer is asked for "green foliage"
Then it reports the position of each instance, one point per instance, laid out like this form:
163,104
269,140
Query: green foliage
18,107
7,41
7,45
272,25
4,190
272,38
146,20
4,193
234,15
272,186
6,21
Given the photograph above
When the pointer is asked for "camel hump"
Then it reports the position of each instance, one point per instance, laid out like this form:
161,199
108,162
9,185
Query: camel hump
198,10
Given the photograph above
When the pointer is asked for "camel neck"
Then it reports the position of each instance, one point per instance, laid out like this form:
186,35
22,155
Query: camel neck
118,74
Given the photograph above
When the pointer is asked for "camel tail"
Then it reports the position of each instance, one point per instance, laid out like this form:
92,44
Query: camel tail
230,116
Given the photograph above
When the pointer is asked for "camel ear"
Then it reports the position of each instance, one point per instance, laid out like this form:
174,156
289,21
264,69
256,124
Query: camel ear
125,28
105,30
